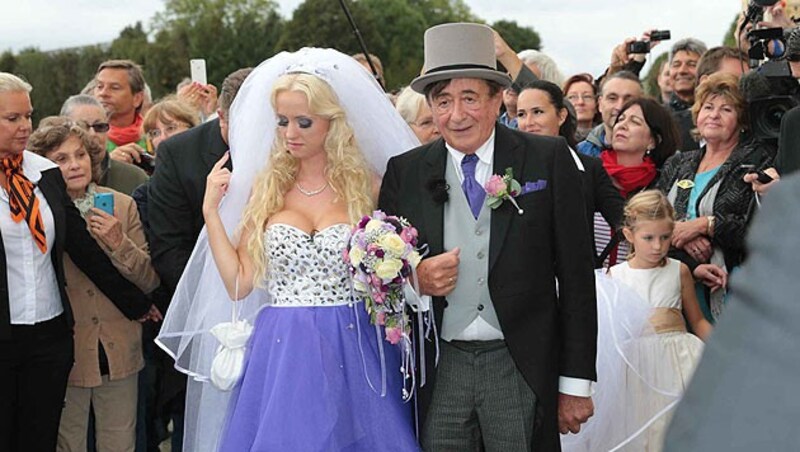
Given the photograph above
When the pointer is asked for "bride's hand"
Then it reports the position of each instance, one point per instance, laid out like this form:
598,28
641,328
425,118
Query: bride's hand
216,185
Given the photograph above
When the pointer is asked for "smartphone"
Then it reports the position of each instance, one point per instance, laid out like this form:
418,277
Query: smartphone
198,70
104,202
762,177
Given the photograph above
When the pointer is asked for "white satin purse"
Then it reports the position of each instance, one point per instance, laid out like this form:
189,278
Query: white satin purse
226,368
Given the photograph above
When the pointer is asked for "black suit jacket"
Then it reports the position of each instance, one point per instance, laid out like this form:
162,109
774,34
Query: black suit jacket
547,334
73,237
176,197
600,195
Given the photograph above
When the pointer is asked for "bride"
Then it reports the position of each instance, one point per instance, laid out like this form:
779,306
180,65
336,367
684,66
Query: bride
311,361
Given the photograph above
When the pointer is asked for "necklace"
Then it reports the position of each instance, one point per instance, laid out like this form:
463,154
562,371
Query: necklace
310,193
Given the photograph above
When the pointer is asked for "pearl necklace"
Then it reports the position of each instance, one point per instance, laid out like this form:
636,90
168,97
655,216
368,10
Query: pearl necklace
310,193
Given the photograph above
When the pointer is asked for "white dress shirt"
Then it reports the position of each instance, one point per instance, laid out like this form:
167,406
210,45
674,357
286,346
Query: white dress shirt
33,293
479,329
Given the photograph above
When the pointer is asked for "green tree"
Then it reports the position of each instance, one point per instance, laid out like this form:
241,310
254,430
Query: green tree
650,81
8,62
131,44
443,11
322,23
403,28
730,37
229,34
518,38
39,69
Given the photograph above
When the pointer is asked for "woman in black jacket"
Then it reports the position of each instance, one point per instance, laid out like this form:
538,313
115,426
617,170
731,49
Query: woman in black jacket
707,189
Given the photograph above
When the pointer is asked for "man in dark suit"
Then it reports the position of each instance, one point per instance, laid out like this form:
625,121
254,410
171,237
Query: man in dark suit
174,212
175,195
742,396
517,356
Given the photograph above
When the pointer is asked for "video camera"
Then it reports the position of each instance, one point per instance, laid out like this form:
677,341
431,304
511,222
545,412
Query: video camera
773,90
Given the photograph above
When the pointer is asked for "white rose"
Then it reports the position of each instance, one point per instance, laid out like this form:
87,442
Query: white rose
359,286
414,258
392,244
388,268
373,225
356,256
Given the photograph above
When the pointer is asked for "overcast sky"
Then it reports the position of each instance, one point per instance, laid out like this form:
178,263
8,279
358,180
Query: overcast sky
578,34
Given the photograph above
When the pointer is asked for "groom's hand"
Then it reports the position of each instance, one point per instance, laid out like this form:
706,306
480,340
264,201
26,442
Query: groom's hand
438,275
572,412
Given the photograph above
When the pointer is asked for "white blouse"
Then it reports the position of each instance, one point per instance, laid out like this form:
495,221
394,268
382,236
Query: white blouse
33,293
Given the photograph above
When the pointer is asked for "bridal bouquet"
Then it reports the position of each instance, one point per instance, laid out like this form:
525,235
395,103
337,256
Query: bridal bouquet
382,254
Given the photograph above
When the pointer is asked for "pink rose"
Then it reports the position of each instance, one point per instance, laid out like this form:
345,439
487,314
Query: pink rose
394,335
408,234
380,318
495,186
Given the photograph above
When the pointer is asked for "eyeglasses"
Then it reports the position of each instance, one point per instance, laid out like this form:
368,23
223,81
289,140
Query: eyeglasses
167,131
584,97
99,127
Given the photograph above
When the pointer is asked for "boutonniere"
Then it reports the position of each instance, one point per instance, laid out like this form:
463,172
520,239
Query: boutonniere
685,184
500,188
438,189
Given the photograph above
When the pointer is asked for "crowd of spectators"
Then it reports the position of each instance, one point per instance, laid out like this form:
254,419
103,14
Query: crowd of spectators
694,142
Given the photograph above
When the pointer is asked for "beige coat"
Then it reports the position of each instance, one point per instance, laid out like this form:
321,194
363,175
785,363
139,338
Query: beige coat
96,318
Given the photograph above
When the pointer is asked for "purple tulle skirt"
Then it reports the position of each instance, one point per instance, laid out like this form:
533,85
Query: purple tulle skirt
304,386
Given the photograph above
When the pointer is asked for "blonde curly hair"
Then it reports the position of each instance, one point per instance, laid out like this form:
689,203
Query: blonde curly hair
347,171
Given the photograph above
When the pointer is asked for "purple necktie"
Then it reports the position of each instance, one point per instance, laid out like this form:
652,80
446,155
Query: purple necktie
473,190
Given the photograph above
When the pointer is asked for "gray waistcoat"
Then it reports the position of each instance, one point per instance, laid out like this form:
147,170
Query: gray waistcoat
470,298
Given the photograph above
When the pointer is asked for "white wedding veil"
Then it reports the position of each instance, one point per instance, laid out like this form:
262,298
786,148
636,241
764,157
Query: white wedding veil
200,299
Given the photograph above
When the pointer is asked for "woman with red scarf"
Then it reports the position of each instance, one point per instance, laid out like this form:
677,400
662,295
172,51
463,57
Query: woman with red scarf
644,136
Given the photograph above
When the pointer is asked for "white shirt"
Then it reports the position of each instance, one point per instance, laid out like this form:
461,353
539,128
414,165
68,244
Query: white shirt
479,329
33,293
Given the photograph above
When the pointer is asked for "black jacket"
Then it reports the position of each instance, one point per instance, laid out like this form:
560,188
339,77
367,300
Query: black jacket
547,334
73,237
175,197
733,204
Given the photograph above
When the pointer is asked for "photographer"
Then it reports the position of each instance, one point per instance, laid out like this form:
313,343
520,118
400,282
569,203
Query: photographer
631,55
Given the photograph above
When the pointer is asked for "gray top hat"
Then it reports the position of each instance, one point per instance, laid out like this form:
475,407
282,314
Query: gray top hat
459,50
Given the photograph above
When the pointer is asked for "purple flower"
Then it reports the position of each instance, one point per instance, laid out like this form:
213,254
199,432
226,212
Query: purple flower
408,234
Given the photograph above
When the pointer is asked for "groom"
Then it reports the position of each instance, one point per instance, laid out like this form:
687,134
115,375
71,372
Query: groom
517,354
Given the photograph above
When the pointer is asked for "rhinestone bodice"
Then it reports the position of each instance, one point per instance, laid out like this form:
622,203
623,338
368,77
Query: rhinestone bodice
307,269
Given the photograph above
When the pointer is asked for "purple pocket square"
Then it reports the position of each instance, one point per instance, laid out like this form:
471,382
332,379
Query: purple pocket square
531,187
